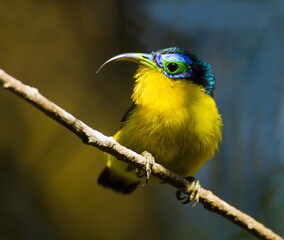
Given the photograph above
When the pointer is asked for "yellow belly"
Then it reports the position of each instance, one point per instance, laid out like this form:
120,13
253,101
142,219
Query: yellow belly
177,140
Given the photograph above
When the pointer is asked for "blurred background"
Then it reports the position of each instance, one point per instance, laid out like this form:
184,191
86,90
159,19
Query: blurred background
48,178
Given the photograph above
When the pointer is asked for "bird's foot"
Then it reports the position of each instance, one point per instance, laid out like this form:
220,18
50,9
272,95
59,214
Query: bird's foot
150,167
139,174
192,192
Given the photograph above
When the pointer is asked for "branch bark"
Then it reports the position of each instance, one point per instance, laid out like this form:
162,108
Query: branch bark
107,144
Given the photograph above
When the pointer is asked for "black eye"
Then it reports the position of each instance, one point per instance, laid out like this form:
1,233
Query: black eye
172,66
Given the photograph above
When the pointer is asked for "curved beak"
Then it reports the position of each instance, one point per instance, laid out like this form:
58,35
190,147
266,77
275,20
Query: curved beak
142,58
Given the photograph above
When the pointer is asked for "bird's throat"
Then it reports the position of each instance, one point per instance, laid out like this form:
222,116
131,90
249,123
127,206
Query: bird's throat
154,90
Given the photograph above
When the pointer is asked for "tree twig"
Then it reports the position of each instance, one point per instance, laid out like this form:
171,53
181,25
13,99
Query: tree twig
109,145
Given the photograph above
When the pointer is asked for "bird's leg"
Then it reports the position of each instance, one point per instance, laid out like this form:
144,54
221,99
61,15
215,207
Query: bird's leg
150,166
192,192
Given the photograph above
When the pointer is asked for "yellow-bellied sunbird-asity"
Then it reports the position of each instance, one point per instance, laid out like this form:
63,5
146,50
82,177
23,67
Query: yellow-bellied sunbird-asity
173,117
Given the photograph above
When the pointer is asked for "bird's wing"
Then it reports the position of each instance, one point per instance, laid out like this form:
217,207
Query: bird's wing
127,114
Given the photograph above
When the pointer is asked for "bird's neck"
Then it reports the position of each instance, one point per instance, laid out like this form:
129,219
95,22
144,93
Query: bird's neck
156,91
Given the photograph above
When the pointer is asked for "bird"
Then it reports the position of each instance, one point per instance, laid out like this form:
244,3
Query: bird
173,119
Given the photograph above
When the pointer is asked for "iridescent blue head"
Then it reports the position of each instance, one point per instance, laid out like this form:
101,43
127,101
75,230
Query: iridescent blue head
180,64
174,63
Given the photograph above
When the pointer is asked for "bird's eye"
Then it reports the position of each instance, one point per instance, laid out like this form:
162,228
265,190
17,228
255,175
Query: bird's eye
172,66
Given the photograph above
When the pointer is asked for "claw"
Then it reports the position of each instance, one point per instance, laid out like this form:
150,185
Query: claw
192,192
138,173
150,165
178,195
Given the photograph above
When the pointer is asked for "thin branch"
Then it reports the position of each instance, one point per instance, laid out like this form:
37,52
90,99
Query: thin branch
109,145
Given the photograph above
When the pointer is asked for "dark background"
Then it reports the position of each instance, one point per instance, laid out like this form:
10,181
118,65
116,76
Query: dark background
48,178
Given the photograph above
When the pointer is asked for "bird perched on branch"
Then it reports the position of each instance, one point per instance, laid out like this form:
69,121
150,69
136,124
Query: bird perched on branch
173,118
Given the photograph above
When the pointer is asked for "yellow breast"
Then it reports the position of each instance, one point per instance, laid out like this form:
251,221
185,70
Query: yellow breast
175,120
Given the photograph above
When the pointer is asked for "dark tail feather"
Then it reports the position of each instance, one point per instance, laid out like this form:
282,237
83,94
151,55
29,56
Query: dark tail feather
108,180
